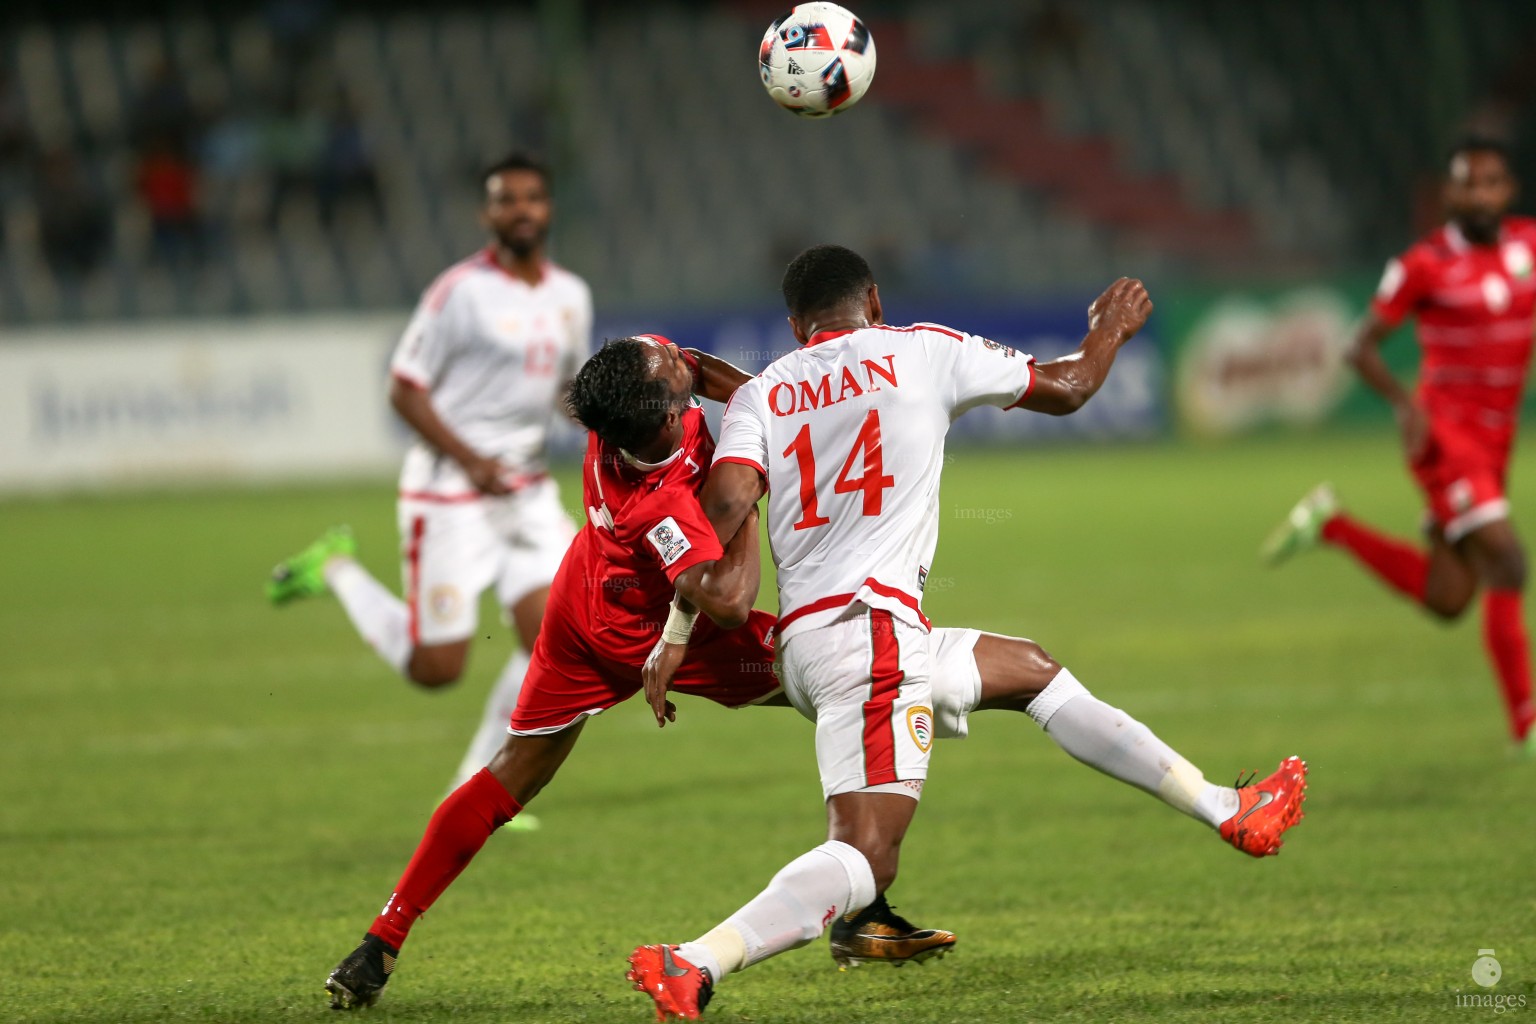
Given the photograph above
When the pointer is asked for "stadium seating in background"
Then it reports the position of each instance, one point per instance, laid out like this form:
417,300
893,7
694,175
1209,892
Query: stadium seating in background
225,166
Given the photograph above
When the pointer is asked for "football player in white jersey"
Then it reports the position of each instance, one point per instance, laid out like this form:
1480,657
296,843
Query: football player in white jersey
846,436
477,376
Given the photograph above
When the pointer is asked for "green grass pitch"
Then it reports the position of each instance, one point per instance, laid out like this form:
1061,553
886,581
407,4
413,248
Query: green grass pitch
203,801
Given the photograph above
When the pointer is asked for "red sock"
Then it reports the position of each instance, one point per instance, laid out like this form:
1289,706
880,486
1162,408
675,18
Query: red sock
1508,647
459,827
1401,566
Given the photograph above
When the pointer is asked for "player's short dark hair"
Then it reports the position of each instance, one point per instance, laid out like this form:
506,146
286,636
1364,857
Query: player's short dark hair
1482,144
615,396
518,161
824,277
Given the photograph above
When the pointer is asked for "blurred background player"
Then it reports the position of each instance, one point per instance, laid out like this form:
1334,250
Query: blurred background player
1470,284
846,436
477,375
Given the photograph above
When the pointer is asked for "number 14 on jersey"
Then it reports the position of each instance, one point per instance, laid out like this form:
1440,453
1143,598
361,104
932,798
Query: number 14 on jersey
866,454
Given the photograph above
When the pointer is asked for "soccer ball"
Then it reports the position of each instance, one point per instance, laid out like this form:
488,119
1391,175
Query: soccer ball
817,60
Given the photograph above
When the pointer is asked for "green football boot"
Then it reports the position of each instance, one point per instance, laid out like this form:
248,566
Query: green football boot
303,575
1301,530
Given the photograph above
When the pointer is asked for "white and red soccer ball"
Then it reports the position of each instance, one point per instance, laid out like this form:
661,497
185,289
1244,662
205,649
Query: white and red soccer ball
817,60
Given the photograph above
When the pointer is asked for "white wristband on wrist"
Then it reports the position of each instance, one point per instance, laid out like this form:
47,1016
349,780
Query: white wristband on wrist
679,625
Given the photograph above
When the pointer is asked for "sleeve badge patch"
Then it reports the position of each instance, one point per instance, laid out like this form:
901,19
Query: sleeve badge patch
668,540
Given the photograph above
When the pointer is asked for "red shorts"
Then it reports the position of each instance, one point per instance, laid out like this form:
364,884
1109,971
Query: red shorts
1462,478
568,679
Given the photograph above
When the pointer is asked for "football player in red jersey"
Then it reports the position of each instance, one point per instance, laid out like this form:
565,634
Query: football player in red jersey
1471,286
646,535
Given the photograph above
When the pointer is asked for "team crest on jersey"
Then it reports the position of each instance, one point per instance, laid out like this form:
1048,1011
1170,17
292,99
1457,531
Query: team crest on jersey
668,540
1517,260
443,601
920,725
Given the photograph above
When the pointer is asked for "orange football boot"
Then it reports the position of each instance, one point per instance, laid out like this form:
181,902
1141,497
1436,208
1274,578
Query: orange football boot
680,990
1266,809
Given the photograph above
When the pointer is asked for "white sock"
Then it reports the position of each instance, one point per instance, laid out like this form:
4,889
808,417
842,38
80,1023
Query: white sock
378,615
797,906
1110,740
492,733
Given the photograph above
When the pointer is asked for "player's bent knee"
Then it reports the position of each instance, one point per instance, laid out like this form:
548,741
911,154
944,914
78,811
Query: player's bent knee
1013,671
1447,608
433,667
526,764
433,677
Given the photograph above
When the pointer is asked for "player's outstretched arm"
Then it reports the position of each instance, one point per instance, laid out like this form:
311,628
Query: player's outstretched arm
414,404
1365,356
715,379
1063,385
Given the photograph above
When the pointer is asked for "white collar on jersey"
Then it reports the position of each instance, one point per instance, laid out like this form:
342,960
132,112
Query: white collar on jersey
646,467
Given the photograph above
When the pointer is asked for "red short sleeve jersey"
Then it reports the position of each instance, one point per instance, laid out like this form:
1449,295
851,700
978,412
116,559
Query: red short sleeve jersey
1475,306
644,527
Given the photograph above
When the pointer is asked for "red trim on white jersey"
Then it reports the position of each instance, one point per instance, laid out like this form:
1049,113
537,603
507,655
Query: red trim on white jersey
821,604
410,381
739,460
824,604
441,499
413,578
516,482
900,595
921,327
1028,387
821,336
439,291
885,679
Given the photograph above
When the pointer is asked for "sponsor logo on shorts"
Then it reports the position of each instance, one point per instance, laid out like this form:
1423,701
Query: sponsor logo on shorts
668,540
444,601
920,724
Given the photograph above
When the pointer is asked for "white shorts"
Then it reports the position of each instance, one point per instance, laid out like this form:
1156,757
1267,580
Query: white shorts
452,551
880,691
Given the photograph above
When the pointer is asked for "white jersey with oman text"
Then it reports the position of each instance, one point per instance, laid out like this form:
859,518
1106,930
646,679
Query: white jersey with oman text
848,431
